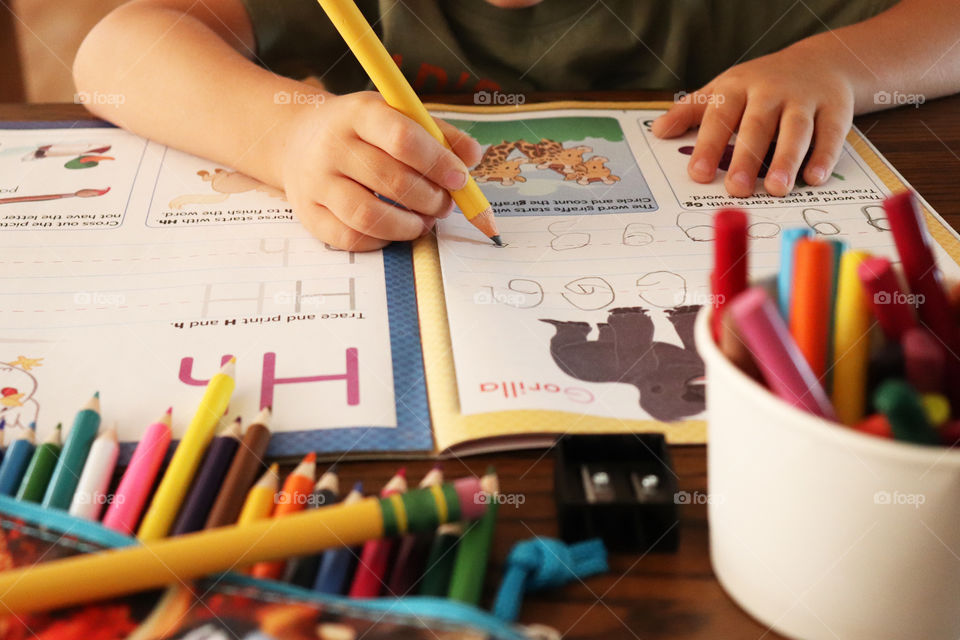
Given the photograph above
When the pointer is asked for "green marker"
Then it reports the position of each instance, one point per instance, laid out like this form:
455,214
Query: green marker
63,482
37,476
473,551
901,404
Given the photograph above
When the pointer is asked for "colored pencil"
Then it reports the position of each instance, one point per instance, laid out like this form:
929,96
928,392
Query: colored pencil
851,342
77,445
91,493
925,360
157,563
16,460
902,406
37,476
137,481
473,550
203,491
730,259
788,241
242,473
413,549
784,368
810,302
262,497
337,565
439,565
886,298
186,458
292,498
376,555
733,346
302,571
397,92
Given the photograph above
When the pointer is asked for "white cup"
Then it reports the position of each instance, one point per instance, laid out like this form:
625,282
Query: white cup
819,531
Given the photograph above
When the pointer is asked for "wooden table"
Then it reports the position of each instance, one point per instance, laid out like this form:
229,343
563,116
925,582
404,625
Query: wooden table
656,596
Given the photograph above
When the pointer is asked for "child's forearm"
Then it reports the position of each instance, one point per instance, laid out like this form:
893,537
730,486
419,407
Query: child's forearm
912,49
166,75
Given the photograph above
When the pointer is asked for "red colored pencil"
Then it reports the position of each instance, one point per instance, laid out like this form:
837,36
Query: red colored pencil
729,275
370,576
886,298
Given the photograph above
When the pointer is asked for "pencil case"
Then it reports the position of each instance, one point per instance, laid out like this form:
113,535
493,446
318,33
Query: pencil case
223,606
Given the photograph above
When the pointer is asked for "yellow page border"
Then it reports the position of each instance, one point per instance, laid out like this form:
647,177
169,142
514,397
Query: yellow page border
451,428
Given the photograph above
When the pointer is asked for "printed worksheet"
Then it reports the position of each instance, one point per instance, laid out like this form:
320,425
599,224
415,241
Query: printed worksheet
590,307
136,270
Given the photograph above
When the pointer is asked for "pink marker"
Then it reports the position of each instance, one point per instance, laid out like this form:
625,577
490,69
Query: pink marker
134,487
783,366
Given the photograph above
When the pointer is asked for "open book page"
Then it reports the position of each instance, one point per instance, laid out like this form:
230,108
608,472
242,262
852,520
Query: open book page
585,320
135,270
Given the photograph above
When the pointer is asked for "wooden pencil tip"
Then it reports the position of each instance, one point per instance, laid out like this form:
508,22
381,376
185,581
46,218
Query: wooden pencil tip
169,410
310,457
54,436
401,472
96,394
110,433
263,417
229,367
358,486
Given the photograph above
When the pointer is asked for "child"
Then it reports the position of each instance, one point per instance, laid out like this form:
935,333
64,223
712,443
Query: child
211,77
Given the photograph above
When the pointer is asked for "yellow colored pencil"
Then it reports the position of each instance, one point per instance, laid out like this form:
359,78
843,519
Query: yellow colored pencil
851,343
156,563
398,93
186,458
261,497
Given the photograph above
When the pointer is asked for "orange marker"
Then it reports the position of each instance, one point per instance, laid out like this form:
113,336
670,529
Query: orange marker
810,302
292,498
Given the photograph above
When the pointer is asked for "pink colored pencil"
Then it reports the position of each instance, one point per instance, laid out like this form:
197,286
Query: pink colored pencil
131,495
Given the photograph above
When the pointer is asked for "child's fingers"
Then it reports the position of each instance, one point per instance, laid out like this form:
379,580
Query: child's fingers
322,224
358,208
757,126
680,118
720,120
462,143
380,172
830,129
796,131
410,143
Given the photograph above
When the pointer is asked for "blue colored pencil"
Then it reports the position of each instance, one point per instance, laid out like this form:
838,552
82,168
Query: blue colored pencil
788,241
63,482
15,462
336,565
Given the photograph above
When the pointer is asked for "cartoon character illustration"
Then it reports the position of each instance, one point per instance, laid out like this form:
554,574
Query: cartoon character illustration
81,193
225,183
593,170
495,167
550,154
18,387
669,378
87,155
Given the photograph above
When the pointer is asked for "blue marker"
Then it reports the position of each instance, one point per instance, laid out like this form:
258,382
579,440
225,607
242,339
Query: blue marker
336,565
788,242
15,461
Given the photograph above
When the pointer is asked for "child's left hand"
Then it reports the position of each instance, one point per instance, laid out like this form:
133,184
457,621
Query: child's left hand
793,90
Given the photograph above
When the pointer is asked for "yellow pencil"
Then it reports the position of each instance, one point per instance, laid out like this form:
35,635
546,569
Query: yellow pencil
259,502
398,93
105,574
186,458
851,343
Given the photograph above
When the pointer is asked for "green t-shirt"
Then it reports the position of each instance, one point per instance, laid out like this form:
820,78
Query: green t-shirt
463,46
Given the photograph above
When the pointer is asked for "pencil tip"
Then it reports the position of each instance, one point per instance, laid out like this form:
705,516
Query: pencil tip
310,457
59,426
96,394
169,411
358,486
497,240
438,466
401,472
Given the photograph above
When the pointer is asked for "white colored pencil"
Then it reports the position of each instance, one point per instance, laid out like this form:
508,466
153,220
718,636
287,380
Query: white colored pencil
91,493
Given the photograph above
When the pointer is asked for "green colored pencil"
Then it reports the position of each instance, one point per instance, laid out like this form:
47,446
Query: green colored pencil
37,476
63,482
473,550
439,565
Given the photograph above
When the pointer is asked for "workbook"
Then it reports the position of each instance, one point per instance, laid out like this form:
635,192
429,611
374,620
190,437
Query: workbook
135,269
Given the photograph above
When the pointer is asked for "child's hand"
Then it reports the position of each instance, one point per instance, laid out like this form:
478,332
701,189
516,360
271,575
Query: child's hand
337,153
793,90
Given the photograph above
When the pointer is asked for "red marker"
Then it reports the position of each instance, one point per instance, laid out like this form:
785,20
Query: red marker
887,300
371,574
729,275
925,360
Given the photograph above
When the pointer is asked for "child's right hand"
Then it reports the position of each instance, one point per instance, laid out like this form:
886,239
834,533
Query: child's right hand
339,151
